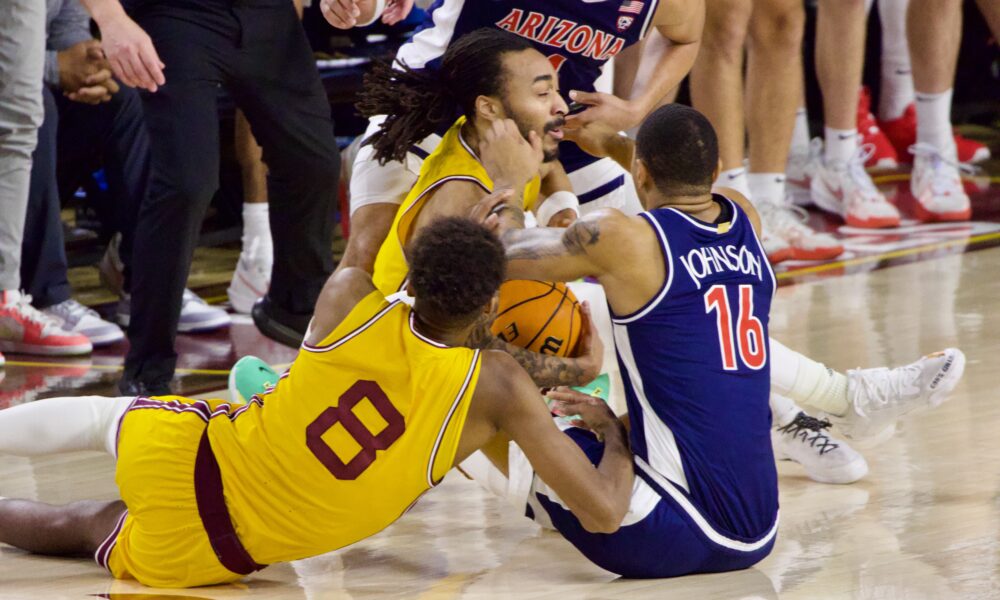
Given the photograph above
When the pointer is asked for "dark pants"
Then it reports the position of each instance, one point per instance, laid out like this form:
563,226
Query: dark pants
74,141
258,52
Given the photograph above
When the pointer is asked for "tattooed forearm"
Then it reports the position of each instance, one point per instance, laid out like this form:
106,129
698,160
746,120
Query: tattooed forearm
581,234
546,370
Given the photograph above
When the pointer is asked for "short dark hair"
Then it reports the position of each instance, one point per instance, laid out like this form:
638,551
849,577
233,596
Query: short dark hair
679,148
456,267
417,102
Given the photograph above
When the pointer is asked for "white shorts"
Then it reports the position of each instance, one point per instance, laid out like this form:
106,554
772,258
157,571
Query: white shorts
598,185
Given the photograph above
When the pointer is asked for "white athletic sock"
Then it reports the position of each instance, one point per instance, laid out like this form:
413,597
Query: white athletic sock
767,187
256,223
934,122
800,135
56,425
896,86
783,410
735,179
839,145
806,381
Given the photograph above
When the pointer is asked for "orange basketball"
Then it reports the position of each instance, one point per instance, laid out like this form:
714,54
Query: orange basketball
538,315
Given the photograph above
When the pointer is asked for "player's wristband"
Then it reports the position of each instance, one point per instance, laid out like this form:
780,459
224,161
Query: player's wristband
557,202
379,9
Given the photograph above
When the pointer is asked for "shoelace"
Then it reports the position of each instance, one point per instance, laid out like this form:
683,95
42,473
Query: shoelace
884,383
23,306
942,185
859,177
72,311
786,217
803,425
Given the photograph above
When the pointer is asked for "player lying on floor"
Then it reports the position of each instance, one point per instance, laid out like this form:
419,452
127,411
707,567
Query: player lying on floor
690,289
490,76
212,492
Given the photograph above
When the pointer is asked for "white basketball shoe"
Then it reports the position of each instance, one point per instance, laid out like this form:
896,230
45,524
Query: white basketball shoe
879,397
807,441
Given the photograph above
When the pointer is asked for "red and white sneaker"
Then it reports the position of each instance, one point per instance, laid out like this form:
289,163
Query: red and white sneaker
884,155
775,247
937,187
787,223
970,152
902,132
27,330
799,171
847,190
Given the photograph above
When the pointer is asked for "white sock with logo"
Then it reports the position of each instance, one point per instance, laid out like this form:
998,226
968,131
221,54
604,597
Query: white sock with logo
767,187
735,179
840,144
934,123
800,134
896,86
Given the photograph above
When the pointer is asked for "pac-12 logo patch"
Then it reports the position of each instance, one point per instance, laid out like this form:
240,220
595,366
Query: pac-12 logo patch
624,22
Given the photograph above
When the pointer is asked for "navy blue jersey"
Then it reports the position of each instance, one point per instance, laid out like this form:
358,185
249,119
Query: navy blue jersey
695,366
578,36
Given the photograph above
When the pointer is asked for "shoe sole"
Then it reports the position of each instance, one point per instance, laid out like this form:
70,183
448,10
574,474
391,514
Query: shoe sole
234,393
780,256
926,216
872,223
842,475
205,326
112,337
817,253
19,348
276,331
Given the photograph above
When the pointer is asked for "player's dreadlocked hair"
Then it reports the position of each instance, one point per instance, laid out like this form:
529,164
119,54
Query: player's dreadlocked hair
417,102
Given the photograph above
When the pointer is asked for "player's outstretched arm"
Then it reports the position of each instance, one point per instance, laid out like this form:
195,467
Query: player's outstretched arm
588,247
599,497
544,369
342,291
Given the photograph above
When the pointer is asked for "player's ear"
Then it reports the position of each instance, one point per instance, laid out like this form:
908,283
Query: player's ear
641,174
488,108
717,171
409,289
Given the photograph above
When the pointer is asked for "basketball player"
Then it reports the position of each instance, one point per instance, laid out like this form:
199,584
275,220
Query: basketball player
493,77
380,403
487,75
578,38
690,289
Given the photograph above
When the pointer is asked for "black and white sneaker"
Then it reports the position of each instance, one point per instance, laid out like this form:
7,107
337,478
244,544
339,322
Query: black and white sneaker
807,441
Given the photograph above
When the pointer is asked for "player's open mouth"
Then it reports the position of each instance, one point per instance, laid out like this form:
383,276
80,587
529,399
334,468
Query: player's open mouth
556,133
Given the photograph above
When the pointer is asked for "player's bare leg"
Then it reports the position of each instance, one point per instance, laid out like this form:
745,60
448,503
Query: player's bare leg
75,529
840,184
991,11
53,426
717,82
934,31
774,82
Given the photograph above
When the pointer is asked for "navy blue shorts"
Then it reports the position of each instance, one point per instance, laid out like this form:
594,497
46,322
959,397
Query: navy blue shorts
666,542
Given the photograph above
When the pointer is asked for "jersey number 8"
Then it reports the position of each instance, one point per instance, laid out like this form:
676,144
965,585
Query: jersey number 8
343,413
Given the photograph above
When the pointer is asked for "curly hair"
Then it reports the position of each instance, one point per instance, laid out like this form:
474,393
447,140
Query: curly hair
456,267
680,149
418,102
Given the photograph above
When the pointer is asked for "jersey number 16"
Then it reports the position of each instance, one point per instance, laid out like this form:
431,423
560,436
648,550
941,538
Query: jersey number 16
749,334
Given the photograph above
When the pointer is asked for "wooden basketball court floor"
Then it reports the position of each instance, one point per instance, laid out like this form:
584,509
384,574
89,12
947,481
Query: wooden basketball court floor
924,523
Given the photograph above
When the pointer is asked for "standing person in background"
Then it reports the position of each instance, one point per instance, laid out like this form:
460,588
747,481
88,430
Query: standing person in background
260,54
22,57
253,268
